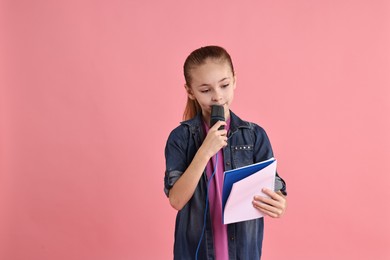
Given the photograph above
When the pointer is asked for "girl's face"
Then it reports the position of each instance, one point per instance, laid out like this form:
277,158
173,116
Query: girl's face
212,83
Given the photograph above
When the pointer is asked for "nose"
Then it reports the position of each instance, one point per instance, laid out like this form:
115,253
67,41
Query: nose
217,96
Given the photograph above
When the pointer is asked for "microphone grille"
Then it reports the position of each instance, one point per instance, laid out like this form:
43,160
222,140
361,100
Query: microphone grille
217,114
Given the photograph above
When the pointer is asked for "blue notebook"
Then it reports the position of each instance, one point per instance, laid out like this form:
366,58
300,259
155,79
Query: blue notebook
235,175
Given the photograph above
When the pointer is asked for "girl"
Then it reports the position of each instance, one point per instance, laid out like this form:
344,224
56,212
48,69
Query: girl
191,156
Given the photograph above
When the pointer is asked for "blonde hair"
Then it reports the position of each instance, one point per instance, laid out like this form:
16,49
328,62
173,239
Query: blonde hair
197,58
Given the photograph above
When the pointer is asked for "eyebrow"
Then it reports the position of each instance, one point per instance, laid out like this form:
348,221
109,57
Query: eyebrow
207,85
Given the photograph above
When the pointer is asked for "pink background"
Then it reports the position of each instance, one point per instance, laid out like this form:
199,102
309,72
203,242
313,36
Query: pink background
91,89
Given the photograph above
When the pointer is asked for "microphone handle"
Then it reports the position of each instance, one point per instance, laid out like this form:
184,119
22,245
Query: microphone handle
215,120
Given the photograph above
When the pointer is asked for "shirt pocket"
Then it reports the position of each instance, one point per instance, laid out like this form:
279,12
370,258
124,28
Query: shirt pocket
242,155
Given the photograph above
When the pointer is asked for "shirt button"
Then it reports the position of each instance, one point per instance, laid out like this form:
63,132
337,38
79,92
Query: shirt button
228,163
231,238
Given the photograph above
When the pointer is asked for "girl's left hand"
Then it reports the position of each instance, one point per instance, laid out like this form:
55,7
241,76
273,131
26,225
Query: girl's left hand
274,206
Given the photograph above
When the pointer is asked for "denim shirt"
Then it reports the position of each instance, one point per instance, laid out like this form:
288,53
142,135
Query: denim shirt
247,144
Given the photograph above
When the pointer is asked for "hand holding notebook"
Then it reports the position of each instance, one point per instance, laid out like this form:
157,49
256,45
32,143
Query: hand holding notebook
241,185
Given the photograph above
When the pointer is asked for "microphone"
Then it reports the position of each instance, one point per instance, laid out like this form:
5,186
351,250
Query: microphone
217,114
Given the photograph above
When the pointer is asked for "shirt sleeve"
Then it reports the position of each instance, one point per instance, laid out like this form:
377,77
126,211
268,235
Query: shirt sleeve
263,152
175,157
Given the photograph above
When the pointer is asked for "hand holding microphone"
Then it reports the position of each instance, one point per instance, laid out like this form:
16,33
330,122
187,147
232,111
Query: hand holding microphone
216,138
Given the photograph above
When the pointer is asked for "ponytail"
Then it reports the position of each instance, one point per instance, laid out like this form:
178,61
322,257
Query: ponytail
192,108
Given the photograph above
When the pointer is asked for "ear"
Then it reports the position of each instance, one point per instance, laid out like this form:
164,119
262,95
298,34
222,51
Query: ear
234,81
190,94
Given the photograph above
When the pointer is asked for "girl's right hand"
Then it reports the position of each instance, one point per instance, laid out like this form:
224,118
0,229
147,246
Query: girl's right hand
215,139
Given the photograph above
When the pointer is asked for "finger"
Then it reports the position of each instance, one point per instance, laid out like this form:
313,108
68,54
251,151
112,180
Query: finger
267,209
269,213
218,124
268,201
272,194
279,204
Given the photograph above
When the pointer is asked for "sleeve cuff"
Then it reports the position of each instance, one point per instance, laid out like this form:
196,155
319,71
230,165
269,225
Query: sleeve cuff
170,179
